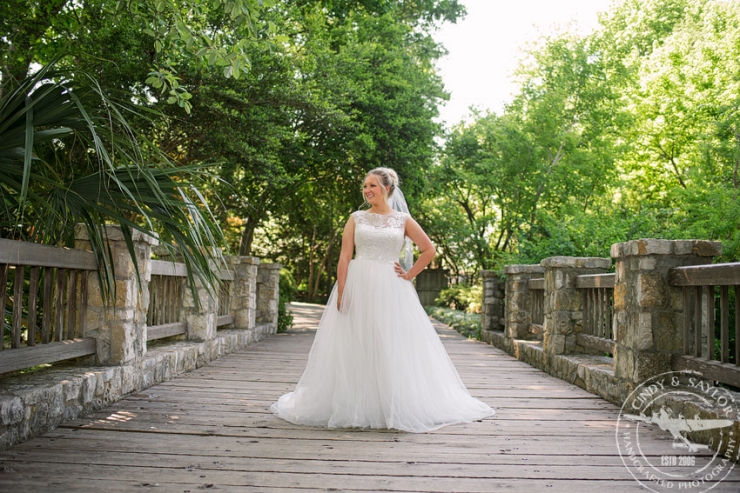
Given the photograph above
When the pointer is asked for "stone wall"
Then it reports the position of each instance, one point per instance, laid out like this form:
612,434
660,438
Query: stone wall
244,291
518,300
563,302
648,312
492,308
124,363
647,319
268,287
120,333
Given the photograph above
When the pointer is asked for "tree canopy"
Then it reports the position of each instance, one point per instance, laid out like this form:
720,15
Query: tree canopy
281,106
628,132
270,113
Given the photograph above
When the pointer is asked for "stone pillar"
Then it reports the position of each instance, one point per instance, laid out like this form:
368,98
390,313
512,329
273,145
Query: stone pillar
563,302
492,307
120,327
268,290
648,312
244,291
201,315
518,300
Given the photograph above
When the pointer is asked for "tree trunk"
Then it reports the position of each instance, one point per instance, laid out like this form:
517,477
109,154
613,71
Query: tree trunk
323,265
735,177
245,245
541,187
311,249
481,251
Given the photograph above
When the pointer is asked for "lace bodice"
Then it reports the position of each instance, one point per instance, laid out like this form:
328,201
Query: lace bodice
379,237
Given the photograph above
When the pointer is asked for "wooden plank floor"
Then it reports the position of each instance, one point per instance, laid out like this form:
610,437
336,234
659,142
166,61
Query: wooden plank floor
211,429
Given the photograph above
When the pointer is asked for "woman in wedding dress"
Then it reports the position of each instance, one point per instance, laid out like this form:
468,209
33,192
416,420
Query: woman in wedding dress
376,360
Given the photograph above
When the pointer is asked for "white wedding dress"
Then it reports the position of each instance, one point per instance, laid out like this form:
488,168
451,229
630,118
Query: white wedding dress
378,363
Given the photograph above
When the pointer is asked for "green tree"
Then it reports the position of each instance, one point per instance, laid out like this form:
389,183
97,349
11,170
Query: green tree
289,107
685,140
214,32
375,94
627,132
549,155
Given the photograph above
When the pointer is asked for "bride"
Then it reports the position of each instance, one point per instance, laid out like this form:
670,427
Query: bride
376,360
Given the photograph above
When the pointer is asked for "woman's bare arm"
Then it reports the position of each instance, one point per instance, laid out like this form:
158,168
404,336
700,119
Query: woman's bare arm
425,245
348,247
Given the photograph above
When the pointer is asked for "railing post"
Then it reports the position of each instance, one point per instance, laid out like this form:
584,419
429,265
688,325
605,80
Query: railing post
518,299
244,291
268,290
648,311
492,308
563,302
201,320
120,330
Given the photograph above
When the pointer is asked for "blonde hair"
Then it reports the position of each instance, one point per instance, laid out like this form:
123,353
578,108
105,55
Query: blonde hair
387,178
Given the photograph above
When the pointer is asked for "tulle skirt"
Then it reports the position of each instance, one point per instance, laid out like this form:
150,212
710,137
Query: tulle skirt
378,363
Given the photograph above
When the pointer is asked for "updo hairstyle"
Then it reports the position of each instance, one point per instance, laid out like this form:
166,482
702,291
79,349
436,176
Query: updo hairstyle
387,178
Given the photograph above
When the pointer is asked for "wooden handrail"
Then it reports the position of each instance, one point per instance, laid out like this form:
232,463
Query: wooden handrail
24,253
711,370
594,281
536,283
705,275
178,269
26,357
167,268
155,332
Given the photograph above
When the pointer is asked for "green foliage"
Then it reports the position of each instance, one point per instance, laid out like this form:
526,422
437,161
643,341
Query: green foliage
468,324
285,104
288,286
285,317
172,34
367,97
288,291
277,109
629,132
69,156
463,297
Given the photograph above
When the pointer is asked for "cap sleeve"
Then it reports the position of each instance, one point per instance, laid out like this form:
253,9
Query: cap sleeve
356,216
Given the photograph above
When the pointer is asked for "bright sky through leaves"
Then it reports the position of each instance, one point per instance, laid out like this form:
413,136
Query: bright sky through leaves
484,48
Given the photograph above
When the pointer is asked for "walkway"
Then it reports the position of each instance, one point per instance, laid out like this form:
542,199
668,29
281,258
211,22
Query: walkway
211,430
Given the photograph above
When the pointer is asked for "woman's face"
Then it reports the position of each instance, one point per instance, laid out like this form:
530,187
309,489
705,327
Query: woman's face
373,191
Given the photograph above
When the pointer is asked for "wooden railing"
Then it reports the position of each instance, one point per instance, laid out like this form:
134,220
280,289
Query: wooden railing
165,314
598,310
225,315
47,290
703,286
44,293
165,317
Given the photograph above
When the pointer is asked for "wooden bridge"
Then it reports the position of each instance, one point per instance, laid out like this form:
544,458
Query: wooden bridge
211,429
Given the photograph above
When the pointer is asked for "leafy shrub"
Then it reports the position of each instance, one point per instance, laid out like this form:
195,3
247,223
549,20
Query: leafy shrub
468,324
285,318
288,286
288,291
464,297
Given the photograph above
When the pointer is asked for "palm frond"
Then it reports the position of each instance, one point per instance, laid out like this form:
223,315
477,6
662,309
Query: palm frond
68,156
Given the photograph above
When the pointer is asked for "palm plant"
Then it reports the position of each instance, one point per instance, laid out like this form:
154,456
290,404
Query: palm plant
68,156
